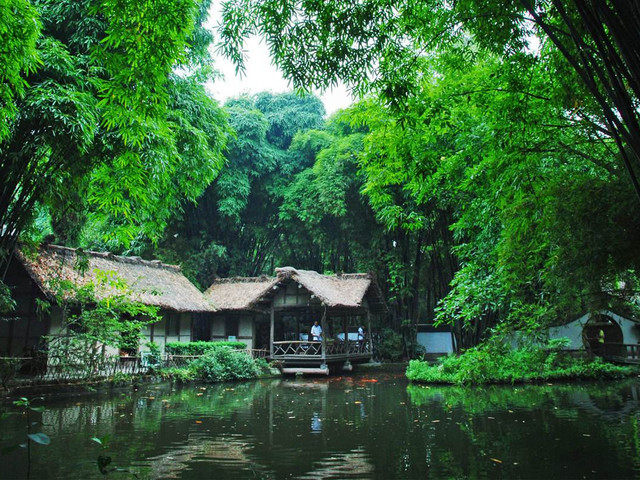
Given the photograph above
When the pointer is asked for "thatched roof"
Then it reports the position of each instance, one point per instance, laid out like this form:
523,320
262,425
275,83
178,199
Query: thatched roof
334,291
239,293
346,290
150,282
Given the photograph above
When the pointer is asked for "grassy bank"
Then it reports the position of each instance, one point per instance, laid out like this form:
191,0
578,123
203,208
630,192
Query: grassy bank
499,363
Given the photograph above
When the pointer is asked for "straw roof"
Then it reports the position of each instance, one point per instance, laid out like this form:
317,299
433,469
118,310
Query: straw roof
239,293
346,290
150,282
334,291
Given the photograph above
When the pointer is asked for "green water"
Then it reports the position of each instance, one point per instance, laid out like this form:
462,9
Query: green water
373,426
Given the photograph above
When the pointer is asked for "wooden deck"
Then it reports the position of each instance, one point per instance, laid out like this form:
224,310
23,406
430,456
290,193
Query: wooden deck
628,353
312,354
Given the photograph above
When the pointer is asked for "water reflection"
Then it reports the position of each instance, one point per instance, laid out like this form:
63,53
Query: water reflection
341,427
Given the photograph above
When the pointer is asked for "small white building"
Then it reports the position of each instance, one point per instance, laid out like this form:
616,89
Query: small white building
585,331
436,341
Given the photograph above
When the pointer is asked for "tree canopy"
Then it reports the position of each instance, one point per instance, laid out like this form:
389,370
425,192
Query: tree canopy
99,120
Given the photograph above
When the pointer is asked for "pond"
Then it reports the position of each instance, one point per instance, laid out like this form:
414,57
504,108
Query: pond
367,426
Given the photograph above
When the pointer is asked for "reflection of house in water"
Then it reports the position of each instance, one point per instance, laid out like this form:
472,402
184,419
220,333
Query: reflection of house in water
618,403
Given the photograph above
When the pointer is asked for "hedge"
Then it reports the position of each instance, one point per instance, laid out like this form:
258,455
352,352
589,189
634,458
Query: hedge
199,348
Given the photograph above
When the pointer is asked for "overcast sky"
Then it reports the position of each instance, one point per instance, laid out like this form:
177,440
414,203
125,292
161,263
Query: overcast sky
261,75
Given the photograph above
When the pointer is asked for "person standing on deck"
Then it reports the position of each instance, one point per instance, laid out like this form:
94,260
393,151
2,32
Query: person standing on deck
316,332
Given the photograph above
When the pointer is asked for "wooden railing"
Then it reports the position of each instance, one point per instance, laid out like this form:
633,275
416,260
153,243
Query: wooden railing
619,351
259,353
310,349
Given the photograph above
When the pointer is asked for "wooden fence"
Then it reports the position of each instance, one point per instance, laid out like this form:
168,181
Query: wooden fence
62,369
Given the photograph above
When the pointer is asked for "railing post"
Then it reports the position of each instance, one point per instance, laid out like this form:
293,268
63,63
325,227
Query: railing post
323,322
272,331
368,336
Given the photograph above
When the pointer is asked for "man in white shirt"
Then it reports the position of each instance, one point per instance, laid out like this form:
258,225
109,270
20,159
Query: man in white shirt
316,332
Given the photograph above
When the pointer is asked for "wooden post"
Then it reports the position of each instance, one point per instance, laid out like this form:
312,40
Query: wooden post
323,324
272,331
346,335
369,332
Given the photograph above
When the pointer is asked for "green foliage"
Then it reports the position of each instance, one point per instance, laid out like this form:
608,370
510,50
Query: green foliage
179,375
8,371
26,406
498,161
384,46
96,314
199,348
389,346
7,303
155,355
19,30
120,378
217,362
234,228
498,363
222,364
106,132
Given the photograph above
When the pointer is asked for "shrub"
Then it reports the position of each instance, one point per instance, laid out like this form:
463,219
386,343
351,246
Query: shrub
390,345
179,375
499,363
199,348
223,364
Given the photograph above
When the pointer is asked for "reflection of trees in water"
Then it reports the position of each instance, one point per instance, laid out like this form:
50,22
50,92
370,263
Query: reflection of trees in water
349,427
608,400
352,464
598,421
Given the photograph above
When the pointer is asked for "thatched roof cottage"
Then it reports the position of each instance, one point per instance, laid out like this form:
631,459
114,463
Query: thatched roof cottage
39,275
276,314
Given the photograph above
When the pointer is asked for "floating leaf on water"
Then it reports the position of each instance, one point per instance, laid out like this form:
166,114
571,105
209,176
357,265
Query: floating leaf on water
41,438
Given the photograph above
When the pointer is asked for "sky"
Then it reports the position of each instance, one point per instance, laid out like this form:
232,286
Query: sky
261,75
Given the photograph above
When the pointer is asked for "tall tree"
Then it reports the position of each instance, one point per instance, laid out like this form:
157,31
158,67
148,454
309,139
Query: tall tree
96,117
234,228
382,46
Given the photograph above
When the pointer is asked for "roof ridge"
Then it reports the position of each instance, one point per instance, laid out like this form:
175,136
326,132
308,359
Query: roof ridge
133,260
260,279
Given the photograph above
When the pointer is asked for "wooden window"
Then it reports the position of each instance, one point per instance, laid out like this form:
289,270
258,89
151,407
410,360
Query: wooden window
173,324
